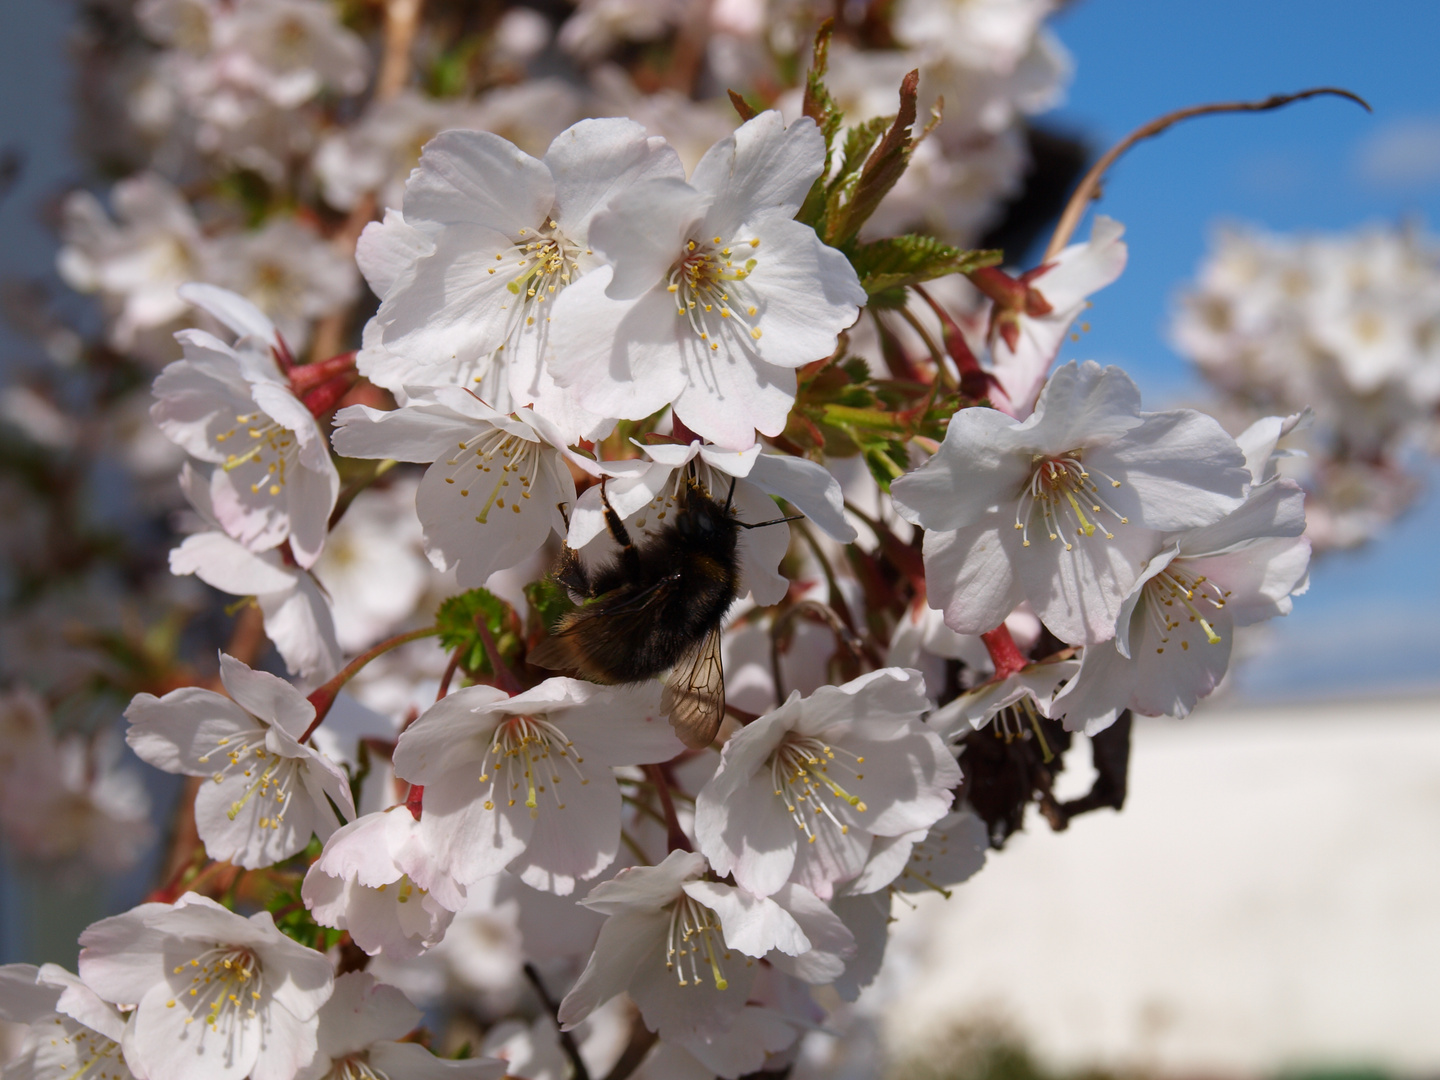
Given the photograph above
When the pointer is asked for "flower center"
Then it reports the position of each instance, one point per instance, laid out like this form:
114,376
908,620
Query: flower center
1061,492
404,889
1177,598
94,1054
270,448
271,776
543,261
525,752
702,282
519,460
800,768
1017,720
225,983
355,1068
695,941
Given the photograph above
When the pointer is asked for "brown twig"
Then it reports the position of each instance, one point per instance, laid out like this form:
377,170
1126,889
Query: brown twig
401,18
324,697
675,835
1090,184
567,1040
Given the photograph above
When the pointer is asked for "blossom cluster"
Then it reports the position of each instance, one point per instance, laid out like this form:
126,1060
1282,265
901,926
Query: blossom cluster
1342,325
637,378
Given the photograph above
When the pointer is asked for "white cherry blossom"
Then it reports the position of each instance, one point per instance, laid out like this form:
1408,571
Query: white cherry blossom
685,948
802,792
266,791
271,479
501,237
1024,345
716,294
358,1039
527,782
1176,628
214,992
1064,508
297,613
376,879
70,1031
497,486
1013,702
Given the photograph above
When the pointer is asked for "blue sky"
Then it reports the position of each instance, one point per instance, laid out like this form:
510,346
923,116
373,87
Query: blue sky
1372,619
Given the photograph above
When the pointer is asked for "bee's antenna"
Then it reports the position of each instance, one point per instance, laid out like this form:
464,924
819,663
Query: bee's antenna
762,524
731,495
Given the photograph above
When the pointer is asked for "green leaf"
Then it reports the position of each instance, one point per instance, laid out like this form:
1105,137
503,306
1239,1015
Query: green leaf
548,600
898,261
820,106
459,619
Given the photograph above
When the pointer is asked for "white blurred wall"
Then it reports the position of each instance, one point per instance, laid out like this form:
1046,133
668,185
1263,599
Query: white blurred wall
1270,897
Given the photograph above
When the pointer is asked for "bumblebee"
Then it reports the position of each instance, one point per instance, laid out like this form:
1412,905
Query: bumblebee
657,606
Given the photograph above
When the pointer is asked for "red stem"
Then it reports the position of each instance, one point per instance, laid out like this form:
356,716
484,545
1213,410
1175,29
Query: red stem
675,835
1004,653
324,697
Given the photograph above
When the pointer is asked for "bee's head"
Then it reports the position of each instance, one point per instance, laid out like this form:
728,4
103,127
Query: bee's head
704,522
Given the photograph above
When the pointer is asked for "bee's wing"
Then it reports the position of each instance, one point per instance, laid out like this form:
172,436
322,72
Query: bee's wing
694,695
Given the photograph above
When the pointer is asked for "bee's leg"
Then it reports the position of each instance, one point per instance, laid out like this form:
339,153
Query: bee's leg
572,574
731,496
629,554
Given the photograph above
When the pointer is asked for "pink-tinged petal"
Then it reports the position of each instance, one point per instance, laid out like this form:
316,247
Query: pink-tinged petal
177,733
414,1062
234,819
644,234
387,251
455,731
623,726
477,178
646,888
477,524
231,567
740,1051
289,1043
1274,509
266,696
868,920
470,839
166,1046
576,832
831,941
123,957
1078,593
1259,578
808,487
752,924
198,398
1176,471
832,858
970,576
807,293
310,497
414,433
1170,678
301,625
364,850
245,507
974,471
456,304
625,941
761,550
22,999
234,311
363,1010
764,168
1083,269
731,394
80,1002
620,356
696,1009
749,835
595,161
1082,405
1092,700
